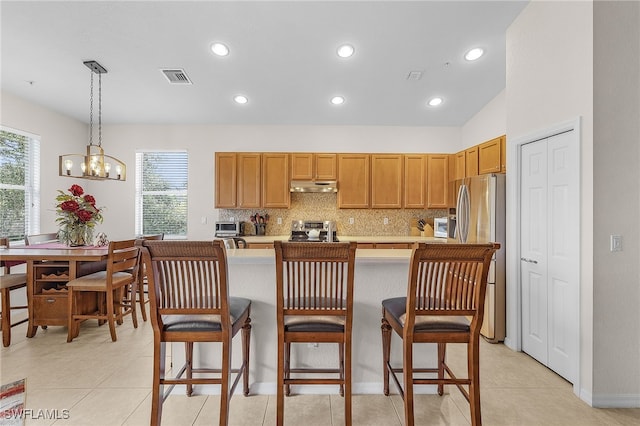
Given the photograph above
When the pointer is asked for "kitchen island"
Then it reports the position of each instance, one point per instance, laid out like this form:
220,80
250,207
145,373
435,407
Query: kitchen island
379,274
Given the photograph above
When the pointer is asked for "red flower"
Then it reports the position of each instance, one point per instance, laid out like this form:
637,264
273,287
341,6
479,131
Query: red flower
76,190
70,206
84,215
89,199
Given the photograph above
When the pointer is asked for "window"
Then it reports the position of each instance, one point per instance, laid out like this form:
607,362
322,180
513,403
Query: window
19,184
161,193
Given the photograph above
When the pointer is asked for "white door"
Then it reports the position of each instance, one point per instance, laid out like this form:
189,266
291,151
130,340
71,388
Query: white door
549,250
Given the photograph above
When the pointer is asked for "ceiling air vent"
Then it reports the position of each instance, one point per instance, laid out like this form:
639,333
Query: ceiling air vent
176,76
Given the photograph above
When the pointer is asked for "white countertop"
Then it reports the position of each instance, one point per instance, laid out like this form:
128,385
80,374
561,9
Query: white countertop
358,238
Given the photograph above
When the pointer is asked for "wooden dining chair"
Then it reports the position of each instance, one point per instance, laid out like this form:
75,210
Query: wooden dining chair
142,295
49,237
190,302
314,300
121,271
444,304
9,282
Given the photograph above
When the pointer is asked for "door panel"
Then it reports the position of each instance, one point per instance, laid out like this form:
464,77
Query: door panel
549,250
533,249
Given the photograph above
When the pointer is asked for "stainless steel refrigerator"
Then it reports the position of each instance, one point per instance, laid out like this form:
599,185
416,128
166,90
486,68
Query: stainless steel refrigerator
480,218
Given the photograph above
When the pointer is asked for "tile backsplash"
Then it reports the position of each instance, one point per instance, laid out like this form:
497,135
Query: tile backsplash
320,206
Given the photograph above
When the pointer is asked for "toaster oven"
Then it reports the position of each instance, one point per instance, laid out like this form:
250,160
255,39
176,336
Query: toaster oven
227,229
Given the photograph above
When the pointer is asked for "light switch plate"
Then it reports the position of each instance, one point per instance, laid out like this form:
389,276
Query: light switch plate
616,242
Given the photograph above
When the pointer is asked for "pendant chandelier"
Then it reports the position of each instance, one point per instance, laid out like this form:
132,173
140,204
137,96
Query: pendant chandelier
94,164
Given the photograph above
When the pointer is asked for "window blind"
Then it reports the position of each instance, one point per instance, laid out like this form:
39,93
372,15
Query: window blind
161,193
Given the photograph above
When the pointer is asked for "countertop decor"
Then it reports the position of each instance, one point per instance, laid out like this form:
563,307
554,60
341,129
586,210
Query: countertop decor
77,216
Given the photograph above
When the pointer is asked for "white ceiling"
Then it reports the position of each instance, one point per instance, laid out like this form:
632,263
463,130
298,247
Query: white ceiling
283,57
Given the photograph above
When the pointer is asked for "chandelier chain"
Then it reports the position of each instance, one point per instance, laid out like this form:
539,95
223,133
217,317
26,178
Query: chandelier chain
100,110
91,112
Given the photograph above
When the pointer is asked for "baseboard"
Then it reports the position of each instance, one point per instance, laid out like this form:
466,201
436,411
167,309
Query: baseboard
615,400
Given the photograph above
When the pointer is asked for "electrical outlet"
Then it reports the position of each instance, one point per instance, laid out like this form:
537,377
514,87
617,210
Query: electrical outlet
385,221
279,221
232,219
616,242
351,221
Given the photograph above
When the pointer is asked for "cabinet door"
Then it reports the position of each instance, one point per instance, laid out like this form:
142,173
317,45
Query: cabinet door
275,180
415,181
226,182
249,167
386,181
452,191
437,180
353,181
302,166
326,168
471,161
503,154
489,156
460,165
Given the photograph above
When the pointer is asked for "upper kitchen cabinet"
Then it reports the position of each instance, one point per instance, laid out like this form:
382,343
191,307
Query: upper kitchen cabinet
226,180
415,181
490,156
503,154
353,181
437,181
471,161
249,177
275,180
308,166
460,165
386,181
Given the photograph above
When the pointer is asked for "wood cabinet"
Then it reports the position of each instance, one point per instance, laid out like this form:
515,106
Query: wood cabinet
490,156
471,162
503,154
353,181
437,181
386,181
249,176
309,166
460,165
259,245
275,180
387,246
226,180
415,181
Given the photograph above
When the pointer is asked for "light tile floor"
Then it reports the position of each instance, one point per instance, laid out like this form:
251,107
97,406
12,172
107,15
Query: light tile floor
103,383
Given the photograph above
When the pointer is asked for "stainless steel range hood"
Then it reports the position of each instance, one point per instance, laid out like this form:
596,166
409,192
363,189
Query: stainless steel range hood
314,186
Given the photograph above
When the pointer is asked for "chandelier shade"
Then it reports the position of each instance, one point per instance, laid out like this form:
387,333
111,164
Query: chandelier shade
95,164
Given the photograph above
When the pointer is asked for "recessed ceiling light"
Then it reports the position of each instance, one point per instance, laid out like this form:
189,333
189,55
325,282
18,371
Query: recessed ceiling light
474,54
241,99
220,49
435,101
337,100
346,50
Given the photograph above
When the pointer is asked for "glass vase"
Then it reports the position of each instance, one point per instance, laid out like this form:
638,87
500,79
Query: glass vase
76,235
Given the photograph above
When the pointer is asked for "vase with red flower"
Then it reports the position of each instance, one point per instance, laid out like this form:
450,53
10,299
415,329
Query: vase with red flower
77,216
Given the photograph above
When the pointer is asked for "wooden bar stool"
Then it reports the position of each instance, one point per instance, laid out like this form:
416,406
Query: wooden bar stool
444,304
190,302
314,299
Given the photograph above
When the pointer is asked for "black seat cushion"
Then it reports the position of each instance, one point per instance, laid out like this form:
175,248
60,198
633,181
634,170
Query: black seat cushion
315,323
397,306
238,306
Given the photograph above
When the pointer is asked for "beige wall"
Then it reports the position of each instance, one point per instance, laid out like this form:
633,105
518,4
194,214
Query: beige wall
616,207
488,123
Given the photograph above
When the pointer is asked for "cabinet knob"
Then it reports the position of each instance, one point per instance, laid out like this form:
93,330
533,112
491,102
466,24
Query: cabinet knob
51,300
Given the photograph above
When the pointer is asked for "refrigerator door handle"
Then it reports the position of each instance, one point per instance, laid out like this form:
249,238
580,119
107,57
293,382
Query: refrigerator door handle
463,214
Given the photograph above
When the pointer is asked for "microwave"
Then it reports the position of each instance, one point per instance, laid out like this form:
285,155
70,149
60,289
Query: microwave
441,227
227,229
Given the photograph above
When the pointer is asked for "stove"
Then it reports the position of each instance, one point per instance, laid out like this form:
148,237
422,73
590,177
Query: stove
301,228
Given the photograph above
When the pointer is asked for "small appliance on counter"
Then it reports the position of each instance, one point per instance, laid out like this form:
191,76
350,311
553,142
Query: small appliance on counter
441,227
313,230
227,229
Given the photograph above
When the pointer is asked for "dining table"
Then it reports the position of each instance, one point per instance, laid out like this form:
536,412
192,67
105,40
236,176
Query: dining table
49,266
